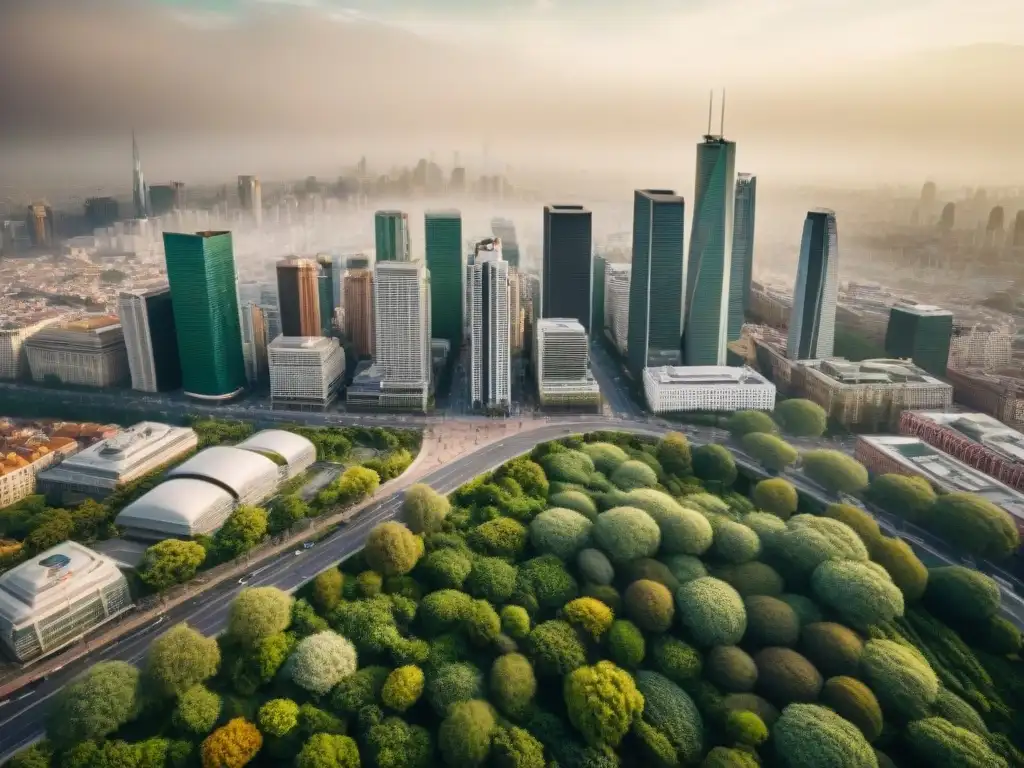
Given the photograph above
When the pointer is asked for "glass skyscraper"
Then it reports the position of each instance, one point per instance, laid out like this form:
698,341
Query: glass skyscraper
656,284
391,231
444,261
812,321
742,252
201,272
922,333
706,325
567,265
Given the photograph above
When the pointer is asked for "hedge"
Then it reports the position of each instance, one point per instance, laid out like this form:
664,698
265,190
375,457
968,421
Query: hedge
811,736
711,611
851,699
784,676
731,669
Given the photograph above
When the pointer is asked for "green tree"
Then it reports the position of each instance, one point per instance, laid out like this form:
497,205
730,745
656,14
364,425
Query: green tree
528,474
801,418
424,509
835,471
464,737
403,688
321,661
170,562
243,530
356,484
94,705
910,497
197,711
278,717
673,451
393,743
257,613
327,590
776,496
179,659
810,736
974,525
771,452
288,510
742,423
715,466
325,750
602,701
392,549
90,520
48,530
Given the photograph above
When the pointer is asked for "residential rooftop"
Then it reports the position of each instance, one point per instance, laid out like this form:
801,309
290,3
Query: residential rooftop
983,429
876,371
704,375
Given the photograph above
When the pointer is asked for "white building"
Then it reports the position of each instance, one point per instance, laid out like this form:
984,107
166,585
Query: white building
401,310
98,470
293,452
249,477
133,312
13,360
562,364
57,597
487,283
812,321
670,389
305,370
616,303
179,508
89,352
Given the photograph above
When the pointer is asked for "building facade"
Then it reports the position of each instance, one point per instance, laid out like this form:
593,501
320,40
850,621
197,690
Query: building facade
505,230
561,364
325,291
359,310
812,319
87,353
391,233
490,369
516,315
255,339
567,263
13,358
402,327
250,198
147,318
305,371
298,297
921,333
978,346
444,261
616,304
742,268
715,388
597,298
140,193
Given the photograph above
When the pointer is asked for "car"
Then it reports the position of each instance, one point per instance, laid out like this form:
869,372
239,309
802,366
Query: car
245,579
308,545
298,552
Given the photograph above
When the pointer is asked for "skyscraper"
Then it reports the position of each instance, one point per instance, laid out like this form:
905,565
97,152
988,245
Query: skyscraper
101,211
164,198
40,224
359,310
516,319
444,260
490,360
147,318
254,343
597,297
391,230
742,252
201,271
505,230
708,273
250,197
401,310
325,288
1018,230
921,333
140,195
812,320
656,281
616,303
298,297
567,264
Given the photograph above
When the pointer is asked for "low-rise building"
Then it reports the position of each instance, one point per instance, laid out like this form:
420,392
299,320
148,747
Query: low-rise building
979,346
998,393
305,370
88,353
21,462
561,365
57,597
292,452
248,476
13,335
673,389
179,508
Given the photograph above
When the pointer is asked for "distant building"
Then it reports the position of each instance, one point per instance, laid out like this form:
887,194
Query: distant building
294,453
742,269
254,344
101,212
999,394
147,319
567,263
165,198
616,304
88,353
359,310
325,289
298,297
561,364
19,470
444,261
980,347
13,358
516,320
674,389
250,197
597,294
487,283
40,224
812,319
920,333
391,230
305,371
505,230
140,193
402,328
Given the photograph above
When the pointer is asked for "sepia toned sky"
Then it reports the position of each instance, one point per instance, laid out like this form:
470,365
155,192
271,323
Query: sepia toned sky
856,91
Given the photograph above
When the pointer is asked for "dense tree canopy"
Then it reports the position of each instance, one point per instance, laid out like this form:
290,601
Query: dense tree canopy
974,525
835,471
673,451
715,466
259,612
179,659
909,497
742,423
424,509
392,549
171,562
801,418
232,745
770,451
95,704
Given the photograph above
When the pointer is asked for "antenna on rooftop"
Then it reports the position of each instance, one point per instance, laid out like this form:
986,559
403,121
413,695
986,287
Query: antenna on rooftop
711,103
721,125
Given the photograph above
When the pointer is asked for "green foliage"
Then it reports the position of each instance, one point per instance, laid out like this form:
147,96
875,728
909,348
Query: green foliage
835,471
726,757
832,648
626,533
440,611
403,688
482,622
711,611
452,683
393,743
811,736
577,501
95,704
777,496
900,677
770,622
676,660
957,711
752,578
960,594
464,737
742,423
602,701
784,676
995,635
424,509
528,474
735,542
327,590
715,466
512,684
259,612
514,747
179,659
360,689
321,661
937,742
591,616
634,474
170,562
685,568
606,594
745,729
607,457
861,593
325,750
560,532
555,648
800,417
673,451
491,579
392,549
446,568
626,645
501,537
232,745
595,566
905,569
652,570
278,717
515,622
243,530
197,711
731,669
547,581
910,497
805,608
684,531
767,527
859,521
568,467
649,605
770,451
851,699
285,512
671,711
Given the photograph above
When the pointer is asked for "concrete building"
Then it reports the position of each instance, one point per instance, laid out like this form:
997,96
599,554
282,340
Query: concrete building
742,269
305,371
298,297
294,453
140,192
505,230
616,304
444,261
561,364
13,358
978,346
997,394
490,368
812,321
248,476
250,198
391,232
97,471
88,353
57,597
151,341
922,333
567,263
716,388
179,508
516,318
597,300
326,294
359,310
19,473
402,323
254,344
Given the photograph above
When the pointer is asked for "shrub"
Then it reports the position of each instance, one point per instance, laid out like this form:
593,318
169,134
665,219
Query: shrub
392,549
232,745
327,590
197,711
590,615
859,521
606,456
654,502
259,612
770,451
770,622
685,532
832,648
676,660
446,568
179,659
752,578
626,645
961,594
424,509
708,503
735,542
626,533
715,466
312,720
528,474
745,729
801,417
278,717
726,757
491,579
482,622
515,622
555,648
602,701
909,497
750,702
937,742
393,743
731,669
546,579
673,451
452,683
851,699
560,532
845,541
464,737
577,501
512,684
711,611
440,611
861,593
958,712
784,676
403,688
901,678
776,496
360,689
500,537
516,748
669,709
801,548
369,583
568,467
767,527
652,570
905,569
326,750
634,474
685,567
94,704
649,605
835,471
811,736
595,567
995,635
321,661
805,608
654,747
742,423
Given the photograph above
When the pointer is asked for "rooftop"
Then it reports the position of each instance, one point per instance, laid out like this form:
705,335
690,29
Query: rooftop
312,343
449,213
877,371
924,310
92,323
984,429
233,469
704,375
175,505
661,195
120,452
288,445
560,324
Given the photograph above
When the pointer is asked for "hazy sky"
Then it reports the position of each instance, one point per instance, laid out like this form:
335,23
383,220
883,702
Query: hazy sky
856,91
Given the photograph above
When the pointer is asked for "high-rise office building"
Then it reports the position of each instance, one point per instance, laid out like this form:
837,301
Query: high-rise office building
742,252
325,289
101,212
490,359
812,320
164,198
140,194
401,309
254,343
708,273
147,319
305,371
516,319
40,224
597,299
88,352
616,304
561,364
921,333
201,271
567,265
444,260
250,197
359,310
298,297
505,230
391,232
1018,230
656,281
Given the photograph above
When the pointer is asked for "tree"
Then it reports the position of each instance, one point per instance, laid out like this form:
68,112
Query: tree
325,750
327,589
197,711
278,717
424,509
392,549
286,513
393,743
649,605
232,745
171,562
89,519
811,736
48,530
626,533
974,525
673,452
356,484
742,423
801,418
910,497
711,611
602,701
861,593
243,530
528,474
715,466
179,659
771,452
259,612
403,688
95,704
835,471
514,747
560,532
321,661
776,496
464,737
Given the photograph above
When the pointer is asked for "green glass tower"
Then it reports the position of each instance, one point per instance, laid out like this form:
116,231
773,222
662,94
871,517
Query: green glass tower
391,230
201,272
597,299
656,282
444,260
921,333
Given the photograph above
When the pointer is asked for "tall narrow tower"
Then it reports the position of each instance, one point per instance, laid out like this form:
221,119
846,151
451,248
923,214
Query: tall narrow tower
488,289
567,264
140,195
298,297
742,252
812,321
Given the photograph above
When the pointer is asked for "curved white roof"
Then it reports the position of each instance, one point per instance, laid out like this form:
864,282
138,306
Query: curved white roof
287,445
175,506
233,469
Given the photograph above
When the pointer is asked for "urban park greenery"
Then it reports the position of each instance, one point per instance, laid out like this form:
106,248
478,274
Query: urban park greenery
570,610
